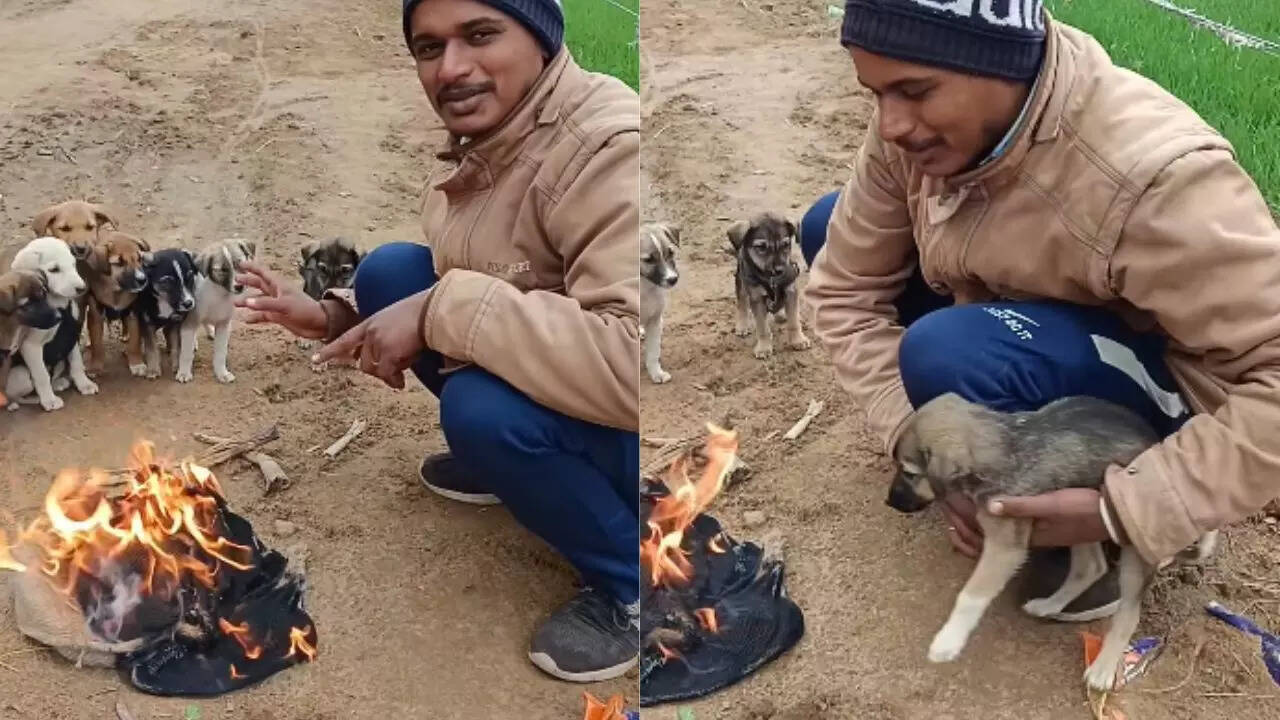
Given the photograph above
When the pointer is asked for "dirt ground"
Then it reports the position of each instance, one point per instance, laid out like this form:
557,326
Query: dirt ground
279,121
752,105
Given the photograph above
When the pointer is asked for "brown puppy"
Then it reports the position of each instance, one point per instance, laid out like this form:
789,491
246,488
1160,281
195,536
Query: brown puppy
24,303
765,280
115,272
75,222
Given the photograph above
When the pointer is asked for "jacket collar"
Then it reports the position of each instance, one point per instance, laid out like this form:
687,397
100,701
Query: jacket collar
1043,117
480,159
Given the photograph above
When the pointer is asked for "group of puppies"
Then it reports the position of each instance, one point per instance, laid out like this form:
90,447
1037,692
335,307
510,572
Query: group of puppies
949,445
82,270
765,275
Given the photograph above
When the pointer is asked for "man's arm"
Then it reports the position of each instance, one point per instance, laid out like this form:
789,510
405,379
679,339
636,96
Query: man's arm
1201,252
578,353
856,277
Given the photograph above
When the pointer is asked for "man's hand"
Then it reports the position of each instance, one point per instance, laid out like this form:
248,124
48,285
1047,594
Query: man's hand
1062,517
386,344
280,304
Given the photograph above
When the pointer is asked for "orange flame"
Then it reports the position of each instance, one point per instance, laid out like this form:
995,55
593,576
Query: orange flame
163,516
714,545
667,653
298,644
597,710
665,561
6,559
707,616
240,633
235,674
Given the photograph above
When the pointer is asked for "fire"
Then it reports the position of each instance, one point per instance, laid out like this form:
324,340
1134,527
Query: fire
597,710
714,545
298,644
235,674
707,616
665,561
667,653
240,633
157,524
6,559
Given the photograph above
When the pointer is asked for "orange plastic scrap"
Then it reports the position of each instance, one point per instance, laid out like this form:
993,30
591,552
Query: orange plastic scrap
597,710
1092,646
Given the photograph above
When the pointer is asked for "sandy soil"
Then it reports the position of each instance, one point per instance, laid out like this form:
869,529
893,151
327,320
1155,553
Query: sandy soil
753,105
200,120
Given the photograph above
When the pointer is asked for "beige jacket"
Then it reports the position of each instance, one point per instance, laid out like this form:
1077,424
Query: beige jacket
1113,193
533,232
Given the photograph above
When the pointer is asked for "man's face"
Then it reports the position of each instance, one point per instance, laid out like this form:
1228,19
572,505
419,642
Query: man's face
944,121
475,63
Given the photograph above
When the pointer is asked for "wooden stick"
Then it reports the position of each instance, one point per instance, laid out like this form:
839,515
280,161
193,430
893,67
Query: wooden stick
341,443
123,712
815,407
216,455
273,475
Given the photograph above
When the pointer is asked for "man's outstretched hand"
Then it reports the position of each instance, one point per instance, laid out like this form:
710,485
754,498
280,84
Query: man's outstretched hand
386,344
1061,518
280,304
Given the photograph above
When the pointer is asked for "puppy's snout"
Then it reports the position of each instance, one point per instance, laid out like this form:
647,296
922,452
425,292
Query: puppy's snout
186,304
904,498
79,288
79,252
671,278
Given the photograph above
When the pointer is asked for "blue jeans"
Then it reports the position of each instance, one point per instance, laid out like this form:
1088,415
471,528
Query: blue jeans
572,483
1020,355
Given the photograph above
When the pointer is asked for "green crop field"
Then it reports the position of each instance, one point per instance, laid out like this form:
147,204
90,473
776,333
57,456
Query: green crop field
602,37
1237,90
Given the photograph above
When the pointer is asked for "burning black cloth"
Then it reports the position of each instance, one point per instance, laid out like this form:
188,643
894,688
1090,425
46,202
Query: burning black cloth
756,621
250,626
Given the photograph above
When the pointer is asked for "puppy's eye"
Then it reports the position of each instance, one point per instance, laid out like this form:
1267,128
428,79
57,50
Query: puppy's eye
65,228
54,270
89,226
346,269
322,267
647,258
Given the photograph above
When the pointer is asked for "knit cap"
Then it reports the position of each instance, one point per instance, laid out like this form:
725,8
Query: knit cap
543,18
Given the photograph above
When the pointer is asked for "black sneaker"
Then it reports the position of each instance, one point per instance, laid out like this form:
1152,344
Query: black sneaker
1047,569
443,475
590,638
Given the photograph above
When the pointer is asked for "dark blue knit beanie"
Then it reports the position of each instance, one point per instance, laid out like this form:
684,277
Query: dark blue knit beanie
543,18
998,38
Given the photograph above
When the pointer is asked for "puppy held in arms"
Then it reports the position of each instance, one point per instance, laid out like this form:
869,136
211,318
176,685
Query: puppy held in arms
953,445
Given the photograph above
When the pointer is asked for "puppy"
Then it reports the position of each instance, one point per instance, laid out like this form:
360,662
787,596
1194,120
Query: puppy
328,265
24,306
164,305
115,271
951,444
215,292
47,357
765,280
75,222
658,274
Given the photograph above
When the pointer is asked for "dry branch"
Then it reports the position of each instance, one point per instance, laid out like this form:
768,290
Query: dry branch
815,407
273,476
215,455
341,443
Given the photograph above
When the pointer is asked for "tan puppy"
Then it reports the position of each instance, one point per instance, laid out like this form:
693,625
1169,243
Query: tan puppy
75,222
115,271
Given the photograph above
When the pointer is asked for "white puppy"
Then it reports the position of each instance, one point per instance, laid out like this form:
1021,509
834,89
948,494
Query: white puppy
658,274
216,291
32,375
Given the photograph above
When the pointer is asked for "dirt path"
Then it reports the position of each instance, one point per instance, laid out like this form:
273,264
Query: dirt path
753,106
203,120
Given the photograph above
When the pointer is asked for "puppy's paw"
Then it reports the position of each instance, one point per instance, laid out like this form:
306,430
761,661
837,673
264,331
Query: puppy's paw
93,369
53,403
87,387
138,370
224,376
742,330
1101,675
799,342
305,344
946,646
60,384
1041,607
659,376
762,350
152,372
183,376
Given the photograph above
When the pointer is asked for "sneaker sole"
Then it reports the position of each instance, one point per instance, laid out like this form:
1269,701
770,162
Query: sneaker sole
544,663
1097,613
468,498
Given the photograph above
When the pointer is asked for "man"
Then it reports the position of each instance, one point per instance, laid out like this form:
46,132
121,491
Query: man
529,337
1028,221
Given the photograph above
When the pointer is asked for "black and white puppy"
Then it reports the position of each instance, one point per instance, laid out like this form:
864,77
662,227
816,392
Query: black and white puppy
165,304
216,290
328,265
658,274
48,361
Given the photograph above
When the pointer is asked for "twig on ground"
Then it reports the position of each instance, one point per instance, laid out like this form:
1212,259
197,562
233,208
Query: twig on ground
215,455
358,33
264,145
1238,695
123,712
658,441
1195,663
341,443
815,407
273,476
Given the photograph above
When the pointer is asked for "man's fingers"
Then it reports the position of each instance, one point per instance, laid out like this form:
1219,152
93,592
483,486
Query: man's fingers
268,304
257,283
961,545
1028,506
344,346
256,275
960,526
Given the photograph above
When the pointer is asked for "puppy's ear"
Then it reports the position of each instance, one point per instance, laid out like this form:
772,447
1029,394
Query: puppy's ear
190,257
249,248
8,296
143,245
673,233
42,223
105,217
360,256
97,260
308,250
737,232
791,230
948,463
204,263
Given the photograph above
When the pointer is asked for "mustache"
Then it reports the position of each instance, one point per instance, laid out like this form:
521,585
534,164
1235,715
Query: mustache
455,93
919,147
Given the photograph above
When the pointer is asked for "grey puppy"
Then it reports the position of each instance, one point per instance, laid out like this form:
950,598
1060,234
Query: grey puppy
951,444
658,274
328,265
765,280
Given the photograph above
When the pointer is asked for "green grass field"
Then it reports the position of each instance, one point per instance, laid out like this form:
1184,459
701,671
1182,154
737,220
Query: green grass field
603,37
1235,90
